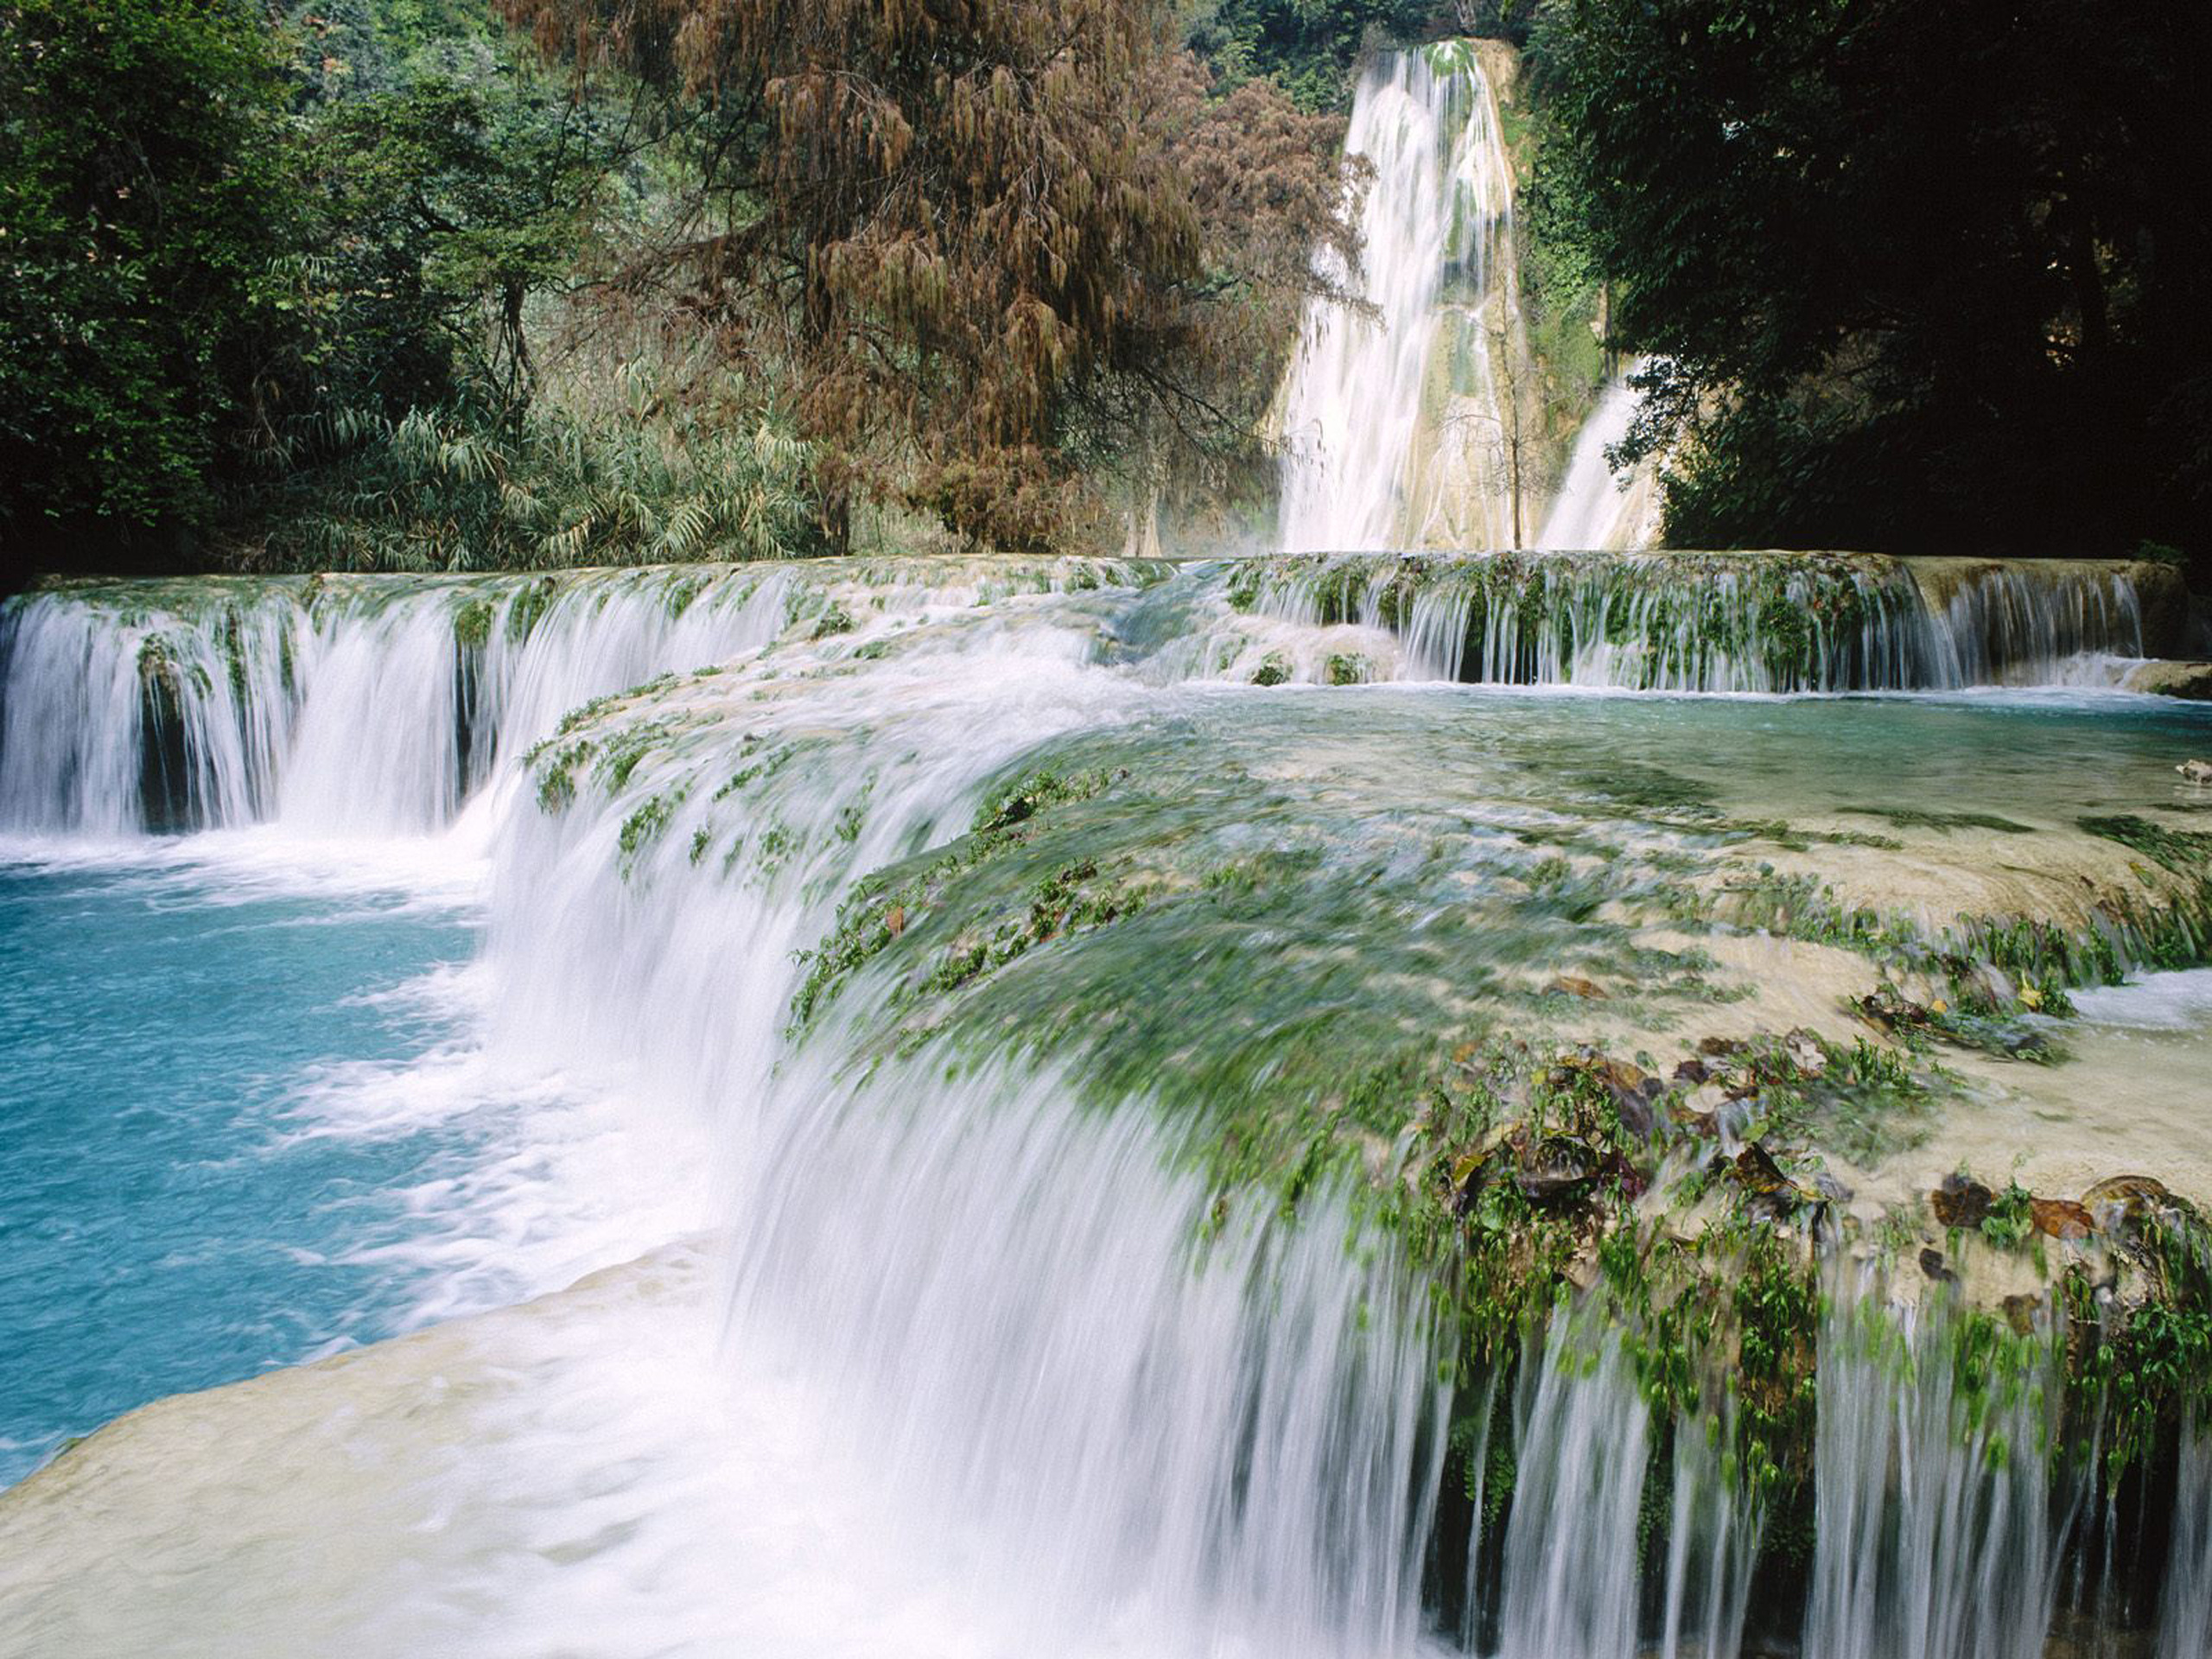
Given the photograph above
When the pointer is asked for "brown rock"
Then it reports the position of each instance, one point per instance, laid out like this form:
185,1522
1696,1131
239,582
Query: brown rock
2165,677
1575,985
1556,1168
2126,1205
2061,1218
1931,1263
1759,1173
1961,1201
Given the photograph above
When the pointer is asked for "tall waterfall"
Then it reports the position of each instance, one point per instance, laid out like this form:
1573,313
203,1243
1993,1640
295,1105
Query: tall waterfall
1399,421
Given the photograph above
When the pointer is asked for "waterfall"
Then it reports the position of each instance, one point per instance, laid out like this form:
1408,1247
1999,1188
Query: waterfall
1594,511
1180,1423
1398,422
1936,1529
1571,1573
346,707
349,707
1769,622
1230,1431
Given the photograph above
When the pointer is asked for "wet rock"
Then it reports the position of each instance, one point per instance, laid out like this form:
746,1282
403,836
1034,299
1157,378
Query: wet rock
1931,1263
1770,1193
2128,1205
1692,1072
1961,1201
895,920
2164,677
1886,1009
1636,1092
2197,771
2021,1311
164,755
1757,1170
1713,1047
1805,1052
2061,1218
1698,1122
1557,1169
1830,1188
1575,985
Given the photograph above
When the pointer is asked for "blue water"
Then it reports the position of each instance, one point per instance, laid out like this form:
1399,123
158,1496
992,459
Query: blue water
170,1217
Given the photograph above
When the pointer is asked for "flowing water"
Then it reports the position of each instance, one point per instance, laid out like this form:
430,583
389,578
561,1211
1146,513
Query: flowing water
1594,509
1703,621
391,951
1399,415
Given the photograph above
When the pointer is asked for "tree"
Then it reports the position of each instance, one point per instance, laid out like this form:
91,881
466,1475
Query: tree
965,227
142,201
1912,275
1308,47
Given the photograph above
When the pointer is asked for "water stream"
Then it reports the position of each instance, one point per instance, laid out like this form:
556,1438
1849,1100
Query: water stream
912,1333
1399,415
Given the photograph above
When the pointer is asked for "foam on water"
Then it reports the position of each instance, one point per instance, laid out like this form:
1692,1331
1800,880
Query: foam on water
954,1357
2176,1001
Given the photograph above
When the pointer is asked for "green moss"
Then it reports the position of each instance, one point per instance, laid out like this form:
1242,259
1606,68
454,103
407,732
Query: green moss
876,914
528,606
471,625
643,826
2186,851
557,765
1916,819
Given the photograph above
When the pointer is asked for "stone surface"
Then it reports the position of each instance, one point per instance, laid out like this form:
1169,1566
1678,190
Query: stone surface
2172,678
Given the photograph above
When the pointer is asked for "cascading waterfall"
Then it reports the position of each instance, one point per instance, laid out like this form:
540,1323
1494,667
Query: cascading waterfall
1007,1292
1717,622
1185,1430
1571,1577
348,707
1399,421
1937,1532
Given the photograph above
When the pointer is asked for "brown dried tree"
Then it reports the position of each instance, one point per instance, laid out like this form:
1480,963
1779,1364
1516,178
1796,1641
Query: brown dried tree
995,242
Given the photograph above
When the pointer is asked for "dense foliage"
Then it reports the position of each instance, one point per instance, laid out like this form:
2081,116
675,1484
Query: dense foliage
1308,46
372,283
140,217
309,288
1911,277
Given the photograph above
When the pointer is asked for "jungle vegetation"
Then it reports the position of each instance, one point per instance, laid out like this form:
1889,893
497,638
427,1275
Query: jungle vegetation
1907,277
434,283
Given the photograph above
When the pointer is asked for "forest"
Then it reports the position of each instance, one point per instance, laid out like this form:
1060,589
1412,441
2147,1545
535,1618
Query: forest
428,284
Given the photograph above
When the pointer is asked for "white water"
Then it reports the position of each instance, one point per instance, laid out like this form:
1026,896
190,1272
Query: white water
979,1389
1372,459
994,1293
1705,622
1595,510
1936,1532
